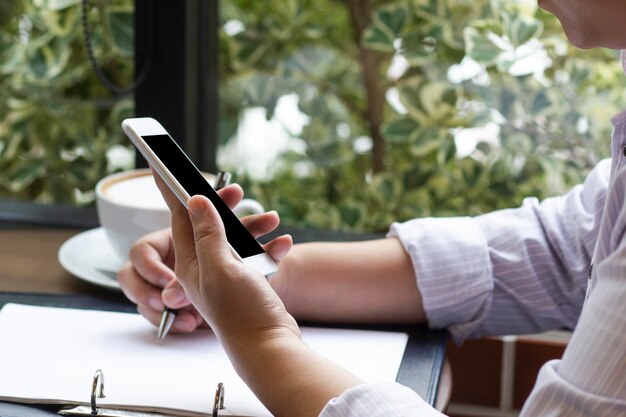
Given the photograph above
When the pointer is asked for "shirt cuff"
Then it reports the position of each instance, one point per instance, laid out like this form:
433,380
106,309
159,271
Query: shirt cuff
453,270
553,395
380,399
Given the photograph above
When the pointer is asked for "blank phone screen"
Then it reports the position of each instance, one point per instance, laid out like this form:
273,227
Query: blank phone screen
194,183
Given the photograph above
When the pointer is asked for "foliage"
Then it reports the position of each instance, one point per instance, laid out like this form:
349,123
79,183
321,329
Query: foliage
380,145
57,123
548,104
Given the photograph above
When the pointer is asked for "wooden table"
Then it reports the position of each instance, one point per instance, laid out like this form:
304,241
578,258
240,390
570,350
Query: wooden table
28,263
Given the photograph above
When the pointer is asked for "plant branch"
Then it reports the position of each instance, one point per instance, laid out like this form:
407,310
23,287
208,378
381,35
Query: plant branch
370,61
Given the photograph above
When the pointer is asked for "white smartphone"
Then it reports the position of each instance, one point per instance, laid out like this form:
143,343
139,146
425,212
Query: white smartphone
185,180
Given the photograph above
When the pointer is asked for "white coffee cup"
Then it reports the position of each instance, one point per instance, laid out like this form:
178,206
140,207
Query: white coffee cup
130,206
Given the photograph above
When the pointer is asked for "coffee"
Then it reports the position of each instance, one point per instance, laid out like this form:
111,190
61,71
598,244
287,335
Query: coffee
135,190
129,207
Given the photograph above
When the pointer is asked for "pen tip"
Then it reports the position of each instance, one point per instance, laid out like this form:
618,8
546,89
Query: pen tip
167,319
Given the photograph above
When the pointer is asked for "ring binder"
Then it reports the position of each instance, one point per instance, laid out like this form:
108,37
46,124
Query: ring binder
98,381
97,391
47,313
218,403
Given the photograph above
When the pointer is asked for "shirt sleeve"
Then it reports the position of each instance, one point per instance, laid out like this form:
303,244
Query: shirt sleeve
510,271
590,380
382,399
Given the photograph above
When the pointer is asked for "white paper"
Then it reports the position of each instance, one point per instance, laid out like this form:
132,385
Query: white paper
51,355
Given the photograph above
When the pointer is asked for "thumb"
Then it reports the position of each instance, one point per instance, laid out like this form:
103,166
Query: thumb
212,247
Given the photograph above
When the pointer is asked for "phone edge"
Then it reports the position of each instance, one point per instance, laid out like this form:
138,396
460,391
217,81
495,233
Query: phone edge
153,160
261,262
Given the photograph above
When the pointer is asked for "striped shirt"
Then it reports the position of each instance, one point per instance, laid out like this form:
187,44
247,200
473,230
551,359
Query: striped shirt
527,270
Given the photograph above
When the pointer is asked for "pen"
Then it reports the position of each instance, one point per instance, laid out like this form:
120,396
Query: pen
222,179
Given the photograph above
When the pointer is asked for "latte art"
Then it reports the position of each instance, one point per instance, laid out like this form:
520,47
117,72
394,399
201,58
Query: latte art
129,207
138,191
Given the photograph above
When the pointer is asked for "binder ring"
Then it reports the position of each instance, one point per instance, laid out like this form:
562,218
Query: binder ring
97,391
98,382
218,403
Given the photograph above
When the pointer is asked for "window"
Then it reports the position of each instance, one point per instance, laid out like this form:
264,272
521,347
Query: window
341,115
60,123
354,114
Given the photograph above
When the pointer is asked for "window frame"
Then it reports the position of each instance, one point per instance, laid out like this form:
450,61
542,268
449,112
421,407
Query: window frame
180,90
181,86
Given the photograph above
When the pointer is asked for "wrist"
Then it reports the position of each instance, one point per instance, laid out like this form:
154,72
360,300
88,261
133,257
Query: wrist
255,352
289,377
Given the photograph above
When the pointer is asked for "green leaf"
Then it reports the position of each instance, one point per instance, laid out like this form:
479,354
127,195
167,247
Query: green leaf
248,52
57,5
524,29
393,17
399,129
418,56
38,64
386,26
13,59
540,102
122,30
378,38
61,24
434,95
287,8
446,152
261,91
519,142
56,60
471,171
25,174
351,213
479,46
425,141
11,151
318,63
386,187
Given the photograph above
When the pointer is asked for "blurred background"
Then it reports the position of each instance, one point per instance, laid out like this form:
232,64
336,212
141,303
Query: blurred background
343,115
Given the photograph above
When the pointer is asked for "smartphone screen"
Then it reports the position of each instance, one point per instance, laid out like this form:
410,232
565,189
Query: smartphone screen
194,183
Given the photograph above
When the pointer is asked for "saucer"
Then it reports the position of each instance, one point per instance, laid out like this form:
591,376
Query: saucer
89,256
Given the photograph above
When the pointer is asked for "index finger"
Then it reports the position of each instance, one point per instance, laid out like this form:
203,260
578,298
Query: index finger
231,195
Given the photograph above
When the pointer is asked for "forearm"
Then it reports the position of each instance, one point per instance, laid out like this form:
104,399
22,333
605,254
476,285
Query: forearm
371,281
290,379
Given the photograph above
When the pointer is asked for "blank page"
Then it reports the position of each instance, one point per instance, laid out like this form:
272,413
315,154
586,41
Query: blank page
51,354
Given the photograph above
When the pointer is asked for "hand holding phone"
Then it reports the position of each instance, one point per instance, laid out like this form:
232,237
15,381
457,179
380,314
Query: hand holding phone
185,180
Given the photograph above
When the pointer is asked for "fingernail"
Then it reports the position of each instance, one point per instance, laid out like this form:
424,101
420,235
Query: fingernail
197,208
173,295
156,303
